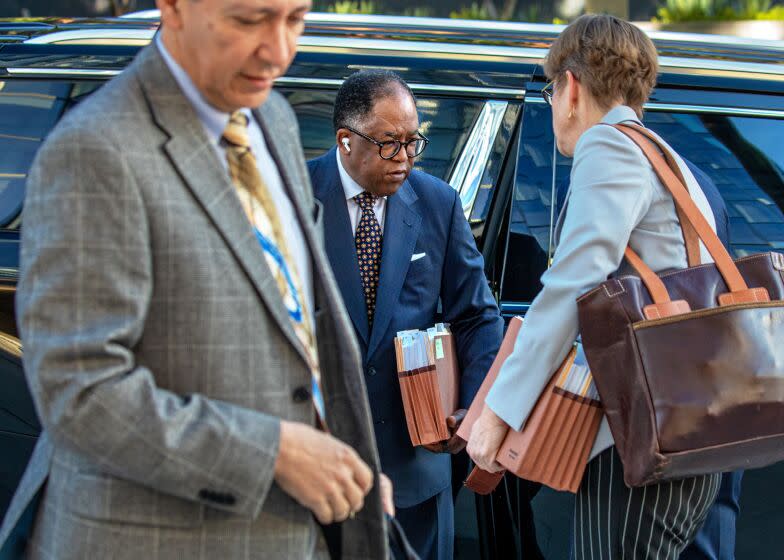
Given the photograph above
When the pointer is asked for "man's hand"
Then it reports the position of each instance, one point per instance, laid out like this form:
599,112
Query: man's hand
487,434
321,472
387,499
454,444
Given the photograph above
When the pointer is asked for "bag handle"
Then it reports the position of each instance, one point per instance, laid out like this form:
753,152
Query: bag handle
399,546
690,237
663,306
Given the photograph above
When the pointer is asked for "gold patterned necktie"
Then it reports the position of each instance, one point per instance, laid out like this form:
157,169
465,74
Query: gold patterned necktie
263,215
368,243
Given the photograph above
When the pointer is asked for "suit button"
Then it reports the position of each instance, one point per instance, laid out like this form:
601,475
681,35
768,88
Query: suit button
217,497
301,395
371,370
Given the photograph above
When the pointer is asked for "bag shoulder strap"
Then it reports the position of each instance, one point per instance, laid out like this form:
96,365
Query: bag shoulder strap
690,237
739,292
400,547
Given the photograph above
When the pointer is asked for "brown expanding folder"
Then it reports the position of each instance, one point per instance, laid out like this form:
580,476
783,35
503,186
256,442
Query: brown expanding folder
429,388
554,445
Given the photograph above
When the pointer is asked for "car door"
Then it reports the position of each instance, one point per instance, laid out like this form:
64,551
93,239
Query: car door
28,111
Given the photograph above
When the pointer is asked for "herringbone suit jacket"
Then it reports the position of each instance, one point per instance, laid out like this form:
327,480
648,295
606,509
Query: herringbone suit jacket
156,345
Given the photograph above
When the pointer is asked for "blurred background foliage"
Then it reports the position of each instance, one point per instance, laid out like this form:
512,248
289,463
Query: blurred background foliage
718,10
547,11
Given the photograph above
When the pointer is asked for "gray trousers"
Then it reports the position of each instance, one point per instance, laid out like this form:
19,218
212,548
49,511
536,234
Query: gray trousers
656,522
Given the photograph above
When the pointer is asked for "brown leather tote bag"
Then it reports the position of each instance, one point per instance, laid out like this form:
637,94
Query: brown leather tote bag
689,364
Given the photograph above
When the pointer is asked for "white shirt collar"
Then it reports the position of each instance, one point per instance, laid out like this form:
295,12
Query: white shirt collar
214,120
350,187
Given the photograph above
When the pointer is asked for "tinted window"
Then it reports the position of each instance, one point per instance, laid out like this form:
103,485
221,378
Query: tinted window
744,157
314,114
495,162
528,244
28,111
446,123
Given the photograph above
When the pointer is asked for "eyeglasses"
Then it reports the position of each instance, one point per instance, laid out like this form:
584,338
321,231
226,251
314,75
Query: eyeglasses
390,148
547,93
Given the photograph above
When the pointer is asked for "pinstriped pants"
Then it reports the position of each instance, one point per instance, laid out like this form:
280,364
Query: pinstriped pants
615,522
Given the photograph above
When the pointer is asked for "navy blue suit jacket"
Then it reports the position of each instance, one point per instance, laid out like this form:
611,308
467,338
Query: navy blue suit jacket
424,216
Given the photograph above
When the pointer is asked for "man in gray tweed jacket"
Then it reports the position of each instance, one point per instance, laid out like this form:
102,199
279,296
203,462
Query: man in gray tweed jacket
175,394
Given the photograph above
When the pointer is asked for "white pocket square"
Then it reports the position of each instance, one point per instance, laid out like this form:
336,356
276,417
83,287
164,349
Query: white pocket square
417,256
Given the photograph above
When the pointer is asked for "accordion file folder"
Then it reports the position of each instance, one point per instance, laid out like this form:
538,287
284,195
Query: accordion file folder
554,445
429,382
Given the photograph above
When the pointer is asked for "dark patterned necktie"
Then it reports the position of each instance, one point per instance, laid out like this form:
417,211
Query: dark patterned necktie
368,242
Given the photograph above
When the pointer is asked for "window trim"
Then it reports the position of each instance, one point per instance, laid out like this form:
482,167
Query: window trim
686,108
416,47
334,83
470,165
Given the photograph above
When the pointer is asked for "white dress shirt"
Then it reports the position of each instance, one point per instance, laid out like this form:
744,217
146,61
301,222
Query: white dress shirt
214,122
351,189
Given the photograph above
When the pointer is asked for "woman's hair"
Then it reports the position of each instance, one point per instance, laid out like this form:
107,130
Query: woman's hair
614,59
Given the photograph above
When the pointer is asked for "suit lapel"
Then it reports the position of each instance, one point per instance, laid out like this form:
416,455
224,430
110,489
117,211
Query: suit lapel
274,137
276,133
274,128
287,153
401,229
340,246
194,157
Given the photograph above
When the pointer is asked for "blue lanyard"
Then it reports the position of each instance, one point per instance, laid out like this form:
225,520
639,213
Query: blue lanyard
270,248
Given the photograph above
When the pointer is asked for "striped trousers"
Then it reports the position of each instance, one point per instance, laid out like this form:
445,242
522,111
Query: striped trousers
656,522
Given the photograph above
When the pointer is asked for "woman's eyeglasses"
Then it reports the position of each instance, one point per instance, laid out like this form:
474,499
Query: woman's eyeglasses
547,93
390,148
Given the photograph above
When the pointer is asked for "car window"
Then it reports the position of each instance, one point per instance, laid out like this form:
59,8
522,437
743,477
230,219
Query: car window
743,156
528,241
492,172
28,111
445,121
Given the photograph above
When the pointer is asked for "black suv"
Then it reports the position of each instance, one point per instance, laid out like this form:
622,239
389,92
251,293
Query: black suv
718,102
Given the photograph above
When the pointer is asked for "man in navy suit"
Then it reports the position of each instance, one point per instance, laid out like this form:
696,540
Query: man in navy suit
716,539
404,258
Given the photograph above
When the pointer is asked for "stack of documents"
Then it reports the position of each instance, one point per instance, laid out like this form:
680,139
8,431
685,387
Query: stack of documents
428,376
554,445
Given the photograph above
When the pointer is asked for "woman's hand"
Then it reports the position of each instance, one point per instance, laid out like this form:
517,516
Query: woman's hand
487,434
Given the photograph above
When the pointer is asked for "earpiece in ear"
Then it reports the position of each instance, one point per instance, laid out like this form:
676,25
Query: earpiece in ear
345,145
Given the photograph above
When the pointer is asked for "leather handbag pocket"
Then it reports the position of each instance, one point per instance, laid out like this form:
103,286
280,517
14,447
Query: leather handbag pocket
106,498
726,385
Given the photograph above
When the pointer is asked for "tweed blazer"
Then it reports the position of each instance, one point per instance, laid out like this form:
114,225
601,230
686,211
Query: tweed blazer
614,199
157,349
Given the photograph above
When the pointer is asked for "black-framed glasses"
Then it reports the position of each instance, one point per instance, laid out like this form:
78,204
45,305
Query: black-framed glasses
390,148
547,93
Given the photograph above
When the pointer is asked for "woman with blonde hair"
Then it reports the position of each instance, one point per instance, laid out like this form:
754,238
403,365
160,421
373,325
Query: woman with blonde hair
601,71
